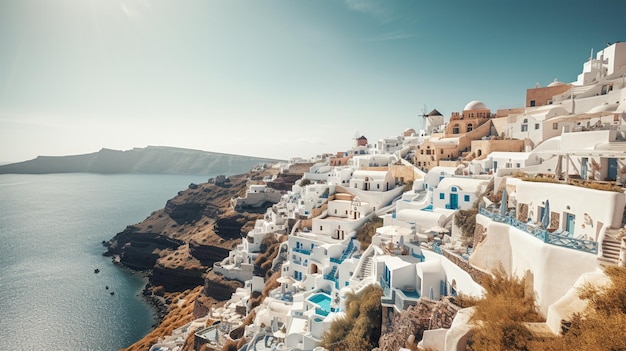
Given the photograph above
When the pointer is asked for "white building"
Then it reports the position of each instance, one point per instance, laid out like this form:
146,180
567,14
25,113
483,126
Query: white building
372,180
458,192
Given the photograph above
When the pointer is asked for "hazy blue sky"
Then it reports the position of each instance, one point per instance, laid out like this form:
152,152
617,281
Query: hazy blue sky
272,78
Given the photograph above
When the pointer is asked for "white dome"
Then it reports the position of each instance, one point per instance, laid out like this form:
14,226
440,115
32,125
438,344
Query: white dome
475,105
555,83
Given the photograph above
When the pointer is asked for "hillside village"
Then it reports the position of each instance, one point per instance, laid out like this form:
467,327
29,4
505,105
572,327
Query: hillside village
536,190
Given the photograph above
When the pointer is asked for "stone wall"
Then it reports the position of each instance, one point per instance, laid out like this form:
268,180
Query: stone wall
411,323
476,274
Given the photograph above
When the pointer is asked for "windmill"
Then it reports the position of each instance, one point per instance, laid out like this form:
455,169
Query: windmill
424,116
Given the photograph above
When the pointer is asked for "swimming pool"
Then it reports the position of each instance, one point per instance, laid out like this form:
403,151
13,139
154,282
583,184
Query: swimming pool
322,301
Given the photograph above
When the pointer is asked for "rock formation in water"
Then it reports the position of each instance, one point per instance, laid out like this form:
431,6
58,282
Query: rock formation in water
148,160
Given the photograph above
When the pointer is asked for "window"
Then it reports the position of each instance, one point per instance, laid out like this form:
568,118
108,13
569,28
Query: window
441,151
524,127
518,165
470,127
532,103
455,129
555,126
536,125
466,198
321,228
442,196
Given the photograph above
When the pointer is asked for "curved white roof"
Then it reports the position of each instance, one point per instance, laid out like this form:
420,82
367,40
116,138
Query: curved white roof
371,174
464,184
425,219
606,107
475,105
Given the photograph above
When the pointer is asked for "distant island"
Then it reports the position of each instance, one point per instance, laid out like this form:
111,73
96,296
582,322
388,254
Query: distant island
148,160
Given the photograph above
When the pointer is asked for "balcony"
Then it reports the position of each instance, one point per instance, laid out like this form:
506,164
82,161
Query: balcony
588,246
302,251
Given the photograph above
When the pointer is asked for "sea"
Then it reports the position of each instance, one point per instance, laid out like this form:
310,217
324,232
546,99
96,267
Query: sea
51,232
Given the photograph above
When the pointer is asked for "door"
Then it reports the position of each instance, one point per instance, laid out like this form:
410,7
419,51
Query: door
454,201
612,171
570,221
583,168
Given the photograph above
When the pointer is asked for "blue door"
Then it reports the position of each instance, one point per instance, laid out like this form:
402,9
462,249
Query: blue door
454,201
583,168
612,172
570,221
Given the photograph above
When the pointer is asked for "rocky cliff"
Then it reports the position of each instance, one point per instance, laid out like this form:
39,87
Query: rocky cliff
406,328
180,242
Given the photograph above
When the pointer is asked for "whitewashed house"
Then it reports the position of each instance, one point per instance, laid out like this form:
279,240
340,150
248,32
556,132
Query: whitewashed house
458,192
372,180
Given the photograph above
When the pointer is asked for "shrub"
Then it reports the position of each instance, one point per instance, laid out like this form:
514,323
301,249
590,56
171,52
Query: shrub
359,329
365,233
499,318
466,220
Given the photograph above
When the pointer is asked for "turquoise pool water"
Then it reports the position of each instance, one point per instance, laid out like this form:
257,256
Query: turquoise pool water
322,300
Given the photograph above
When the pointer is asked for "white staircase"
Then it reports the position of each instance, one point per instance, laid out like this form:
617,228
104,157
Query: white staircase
610,250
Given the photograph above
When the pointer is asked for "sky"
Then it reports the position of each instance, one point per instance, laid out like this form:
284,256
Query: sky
273,78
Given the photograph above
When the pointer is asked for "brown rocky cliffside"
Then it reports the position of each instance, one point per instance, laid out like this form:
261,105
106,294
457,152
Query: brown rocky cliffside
195,229
399,329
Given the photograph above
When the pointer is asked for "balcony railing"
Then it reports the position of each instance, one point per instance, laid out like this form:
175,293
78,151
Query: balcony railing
302,251
588,246
385,285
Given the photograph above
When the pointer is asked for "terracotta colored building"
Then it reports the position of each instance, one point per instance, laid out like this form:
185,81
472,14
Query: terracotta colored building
474,114
543,96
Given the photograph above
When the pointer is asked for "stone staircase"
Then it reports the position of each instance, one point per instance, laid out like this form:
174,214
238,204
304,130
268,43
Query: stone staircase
610,250
366,268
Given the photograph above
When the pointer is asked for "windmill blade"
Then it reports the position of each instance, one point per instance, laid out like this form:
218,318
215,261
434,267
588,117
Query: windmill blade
424,111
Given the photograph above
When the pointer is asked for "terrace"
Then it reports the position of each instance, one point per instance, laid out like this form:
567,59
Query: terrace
558,238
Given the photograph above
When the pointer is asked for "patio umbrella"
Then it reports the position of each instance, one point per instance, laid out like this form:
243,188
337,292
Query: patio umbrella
503,203
545,220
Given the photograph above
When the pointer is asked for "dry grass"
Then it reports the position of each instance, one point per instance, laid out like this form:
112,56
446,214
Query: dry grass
359,329
499,319
365,233
605,186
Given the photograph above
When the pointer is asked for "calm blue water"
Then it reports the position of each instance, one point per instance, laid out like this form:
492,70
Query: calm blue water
51,228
